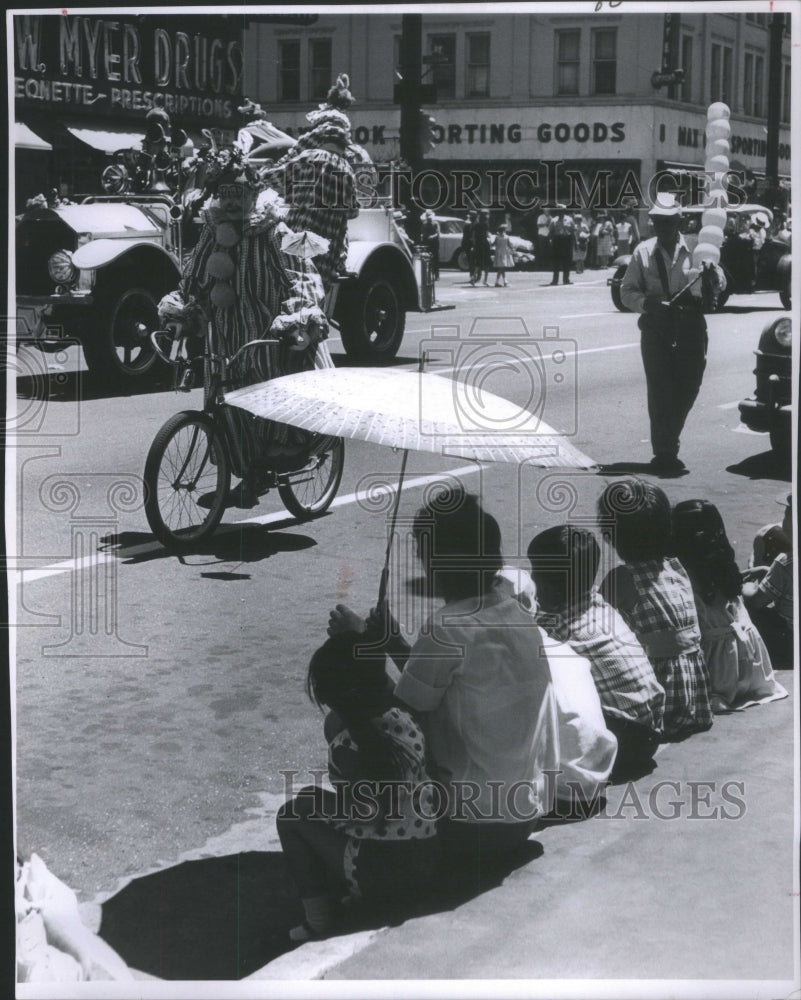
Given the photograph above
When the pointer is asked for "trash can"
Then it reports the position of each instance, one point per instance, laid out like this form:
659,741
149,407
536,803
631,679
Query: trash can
424,274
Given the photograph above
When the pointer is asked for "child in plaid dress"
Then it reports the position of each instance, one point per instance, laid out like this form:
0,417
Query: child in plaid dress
737,660
564,565
655,597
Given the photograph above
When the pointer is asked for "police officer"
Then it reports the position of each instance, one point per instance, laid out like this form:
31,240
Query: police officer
672,325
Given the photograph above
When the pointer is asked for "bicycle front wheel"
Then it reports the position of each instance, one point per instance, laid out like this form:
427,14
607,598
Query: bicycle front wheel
309,492
187,477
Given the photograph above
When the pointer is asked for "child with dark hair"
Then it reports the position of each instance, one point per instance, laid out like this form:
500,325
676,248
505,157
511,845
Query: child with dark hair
654,595
480,679
737,659
370,838
564,565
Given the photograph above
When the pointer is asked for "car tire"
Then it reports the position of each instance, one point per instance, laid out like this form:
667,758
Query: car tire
119,347
785,297
460,261
616,298
373,319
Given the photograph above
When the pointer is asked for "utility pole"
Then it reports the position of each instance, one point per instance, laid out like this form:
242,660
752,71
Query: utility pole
775,74
411,69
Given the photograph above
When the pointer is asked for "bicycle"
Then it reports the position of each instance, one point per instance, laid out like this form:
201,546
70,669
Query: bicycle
192,457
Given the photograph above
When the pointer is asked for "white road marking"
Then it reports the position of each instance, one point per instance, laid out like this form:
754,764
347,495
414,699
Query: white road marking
535,360
100,558
609,312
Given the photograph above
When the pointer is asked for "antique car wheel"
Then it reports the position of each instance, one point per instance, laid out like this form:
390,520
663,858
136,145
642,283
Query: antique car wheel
460,260
785,297
119,346
617,278
374,320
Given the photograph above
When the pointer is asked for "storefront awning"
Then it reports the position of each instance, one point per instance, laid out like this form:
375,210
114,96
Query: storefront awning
107,140
26,138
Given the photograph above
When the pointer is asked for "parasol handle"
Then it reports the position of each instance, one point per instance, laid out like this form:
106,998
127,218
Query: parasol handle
382,588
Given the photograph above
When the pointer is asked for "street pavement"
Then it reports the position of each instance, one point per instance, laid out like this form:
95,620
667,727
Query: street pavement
153,725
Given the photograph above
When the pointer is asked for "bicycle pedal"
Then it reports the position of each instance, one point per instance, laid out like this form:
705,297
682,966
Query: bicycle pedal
187,381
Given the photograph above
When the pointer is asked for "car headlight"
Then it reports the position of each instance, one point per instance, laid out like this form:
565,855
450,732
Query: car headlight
60,267
783,331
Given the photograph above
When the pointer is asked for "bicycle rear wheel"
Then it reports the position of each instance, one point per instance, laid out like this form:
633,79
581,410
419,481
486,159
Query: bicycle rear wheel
187,476
309,492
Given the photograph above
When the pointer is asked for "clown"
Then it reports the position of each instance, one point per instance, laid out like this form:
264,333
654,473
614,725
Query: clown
241,280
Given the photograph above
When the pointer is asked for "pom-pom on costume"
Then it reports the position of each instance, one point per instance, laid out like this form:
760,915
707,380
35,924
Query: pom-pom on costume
249,287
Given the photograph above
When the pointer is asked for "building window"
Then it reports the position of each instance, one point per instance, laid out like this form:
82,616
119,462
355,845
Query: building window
289,70
604,60
567,62
786,93
687,66
753,77
319,68
720,73
760,19
443,49
478,65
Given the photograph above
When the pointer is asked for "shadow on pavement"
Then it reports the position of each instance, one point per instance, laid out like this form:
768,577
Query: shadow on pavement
246,543
637,469
344,361
763,466
71,387
225,918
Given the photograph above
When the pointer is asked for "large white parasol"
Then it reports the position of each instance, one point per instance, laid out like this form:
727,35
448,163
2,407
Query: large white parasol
413,411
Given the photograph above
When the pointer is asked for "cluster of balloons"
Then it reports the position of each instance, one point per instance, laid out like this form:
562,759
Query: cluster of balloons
716,165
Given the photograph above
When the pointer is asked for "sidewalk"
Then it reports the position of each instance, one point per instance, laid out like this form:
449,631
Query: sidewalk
627,895
687,874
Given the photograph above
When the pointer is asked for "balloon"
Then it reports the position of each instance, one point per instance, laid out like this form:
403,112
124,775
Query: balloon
705,253
717,198
711,234
717,147
717,110
714,217
718,129
716,164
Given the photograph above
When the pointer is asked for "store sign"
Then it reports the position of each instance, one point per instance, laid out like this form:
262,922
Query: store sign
127,66
740,145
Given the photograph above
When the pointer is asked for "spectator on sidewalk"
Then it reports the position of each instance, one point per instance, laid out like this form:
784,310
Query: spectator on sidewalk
376,846
480,682
429,232
737,660
504,258
481,247
563,240
582,243
653,593
606,241
768,595
468,244
564,565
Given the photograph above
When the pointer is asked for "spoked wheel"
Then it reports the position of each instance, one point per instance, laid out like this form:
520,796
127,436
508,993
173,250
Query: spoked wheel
120,347
309,492
187,477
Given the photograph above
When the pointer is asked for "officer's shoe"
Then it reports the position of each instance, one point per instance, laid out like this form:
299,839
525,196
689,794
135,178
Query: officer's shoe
667,465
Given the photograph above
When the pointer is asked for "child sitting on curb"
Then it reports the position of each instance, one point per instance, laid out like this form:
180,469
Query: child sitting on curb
564,564
655,597
379,845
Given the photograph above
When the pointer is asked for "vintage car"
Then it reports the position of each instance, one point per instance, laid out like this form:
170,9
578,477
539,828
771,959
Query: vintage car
772,271
770,408
95,271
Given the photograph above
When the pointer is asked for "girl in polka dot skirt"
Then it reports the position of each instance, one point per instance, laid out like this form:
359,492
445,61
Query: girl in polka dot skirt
372,836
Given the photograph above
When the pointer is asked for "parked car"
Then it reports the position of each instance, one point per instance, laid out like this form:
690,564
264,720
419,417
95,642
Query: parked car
773,262
95,271
451,254
771,407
